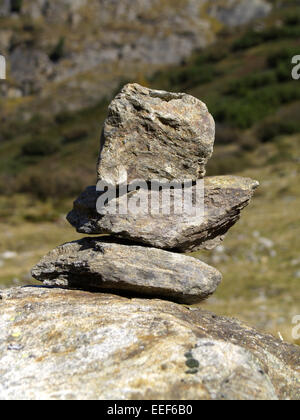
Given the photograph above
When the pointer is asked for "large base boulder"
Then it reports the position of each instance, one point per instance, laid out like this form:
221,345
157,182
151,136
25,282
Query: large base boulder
101,264
62,344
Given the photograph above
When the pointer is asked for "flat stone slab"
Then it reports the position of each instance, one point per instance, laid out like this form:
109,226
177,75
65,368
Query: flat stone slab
100,264
151,134
70,345
224,198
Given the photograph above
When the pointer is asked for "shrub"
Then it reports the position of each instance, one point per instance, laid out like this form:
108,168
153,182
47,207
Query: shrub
292,19
248,142
242,86
58,51
248,40
282,56
253,105
253,38
231,162
58,183
16,6
65,117
212,57
193,75
269,130
40,147
75,134
226,134
283,72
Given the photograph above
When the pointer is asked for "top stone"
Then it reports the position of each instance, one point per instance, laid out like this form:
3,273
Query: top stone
151,134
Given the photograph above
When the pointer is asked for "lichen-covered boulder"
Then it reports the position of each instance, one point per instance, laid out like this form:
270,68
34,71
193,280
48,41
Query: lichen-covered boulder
62,344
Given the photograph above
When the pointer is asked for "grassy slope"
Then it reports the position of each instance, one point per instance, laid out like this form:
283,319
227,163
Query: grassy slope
261,282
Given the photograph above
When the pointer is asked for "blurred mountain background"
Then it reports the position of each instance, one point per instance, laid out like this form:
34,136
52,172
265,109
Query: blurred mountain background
66,59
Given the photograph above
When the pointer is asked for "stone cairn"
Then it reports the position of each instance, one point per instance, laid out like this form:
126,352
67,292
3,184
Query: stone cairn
148,135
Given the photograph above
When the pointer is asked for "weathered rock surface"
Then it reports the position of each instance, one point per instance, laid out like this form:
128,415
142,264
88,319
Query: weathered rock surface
30,69
238,12
4,8
100,264
225,198
62,344
153,134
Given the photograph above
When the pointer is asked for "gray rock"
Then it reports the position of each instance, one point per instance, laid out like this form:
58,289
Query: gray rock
237,13
4,8
153,134
30,69
103,265
6,36
225,198
77,345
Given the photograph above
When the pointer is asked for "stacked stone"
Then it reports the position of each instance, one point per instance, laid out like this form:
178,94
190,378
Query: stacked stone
149,135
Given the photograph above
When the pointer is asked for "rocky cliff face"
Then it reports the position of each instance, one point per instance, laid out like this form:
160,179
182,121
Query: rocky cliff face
62,344
50,46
